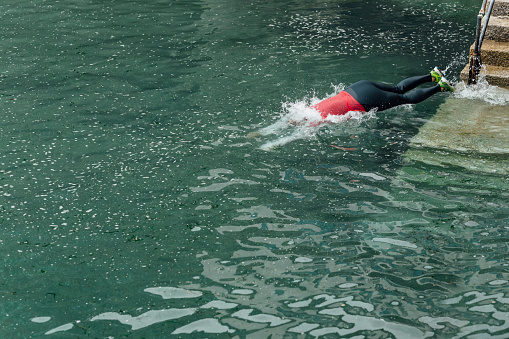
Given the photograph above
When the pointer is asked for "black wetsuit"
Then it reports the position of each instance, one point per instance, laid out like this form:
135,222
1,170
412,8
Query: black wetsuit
384,96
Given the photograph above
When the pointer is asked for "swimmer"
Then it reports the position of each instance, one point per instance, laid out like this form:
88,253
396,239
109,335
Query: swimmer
364,96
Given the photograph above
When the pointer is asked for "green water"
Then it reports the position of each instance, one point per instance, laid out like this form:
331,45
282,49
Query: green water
133,205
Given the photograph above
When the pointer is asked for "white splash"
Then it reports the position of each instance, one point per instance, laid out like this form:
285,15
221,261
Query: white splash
242,291
483,91
303,259
300,121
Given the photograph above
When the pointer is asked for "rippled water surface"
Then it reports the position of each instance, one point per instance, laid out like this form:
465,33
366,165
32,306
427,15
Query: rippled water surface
133,204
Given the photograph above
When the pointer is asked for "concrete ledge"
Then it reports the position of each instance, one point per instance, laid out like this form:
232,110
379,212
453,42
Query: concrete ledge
501,8
494,75
497,76
495,50
494,53
466,125
465,132
498,29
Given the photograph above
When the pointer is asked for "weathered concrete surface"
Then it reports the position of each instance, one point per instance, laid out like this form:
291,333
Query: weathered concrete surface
494,53
494,75
467,125
465,132
495,47
498,28
501,8
495,58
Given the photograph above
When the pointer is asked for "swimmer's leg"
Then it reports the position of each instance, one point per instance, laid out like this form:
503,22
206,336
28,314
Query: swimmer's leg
371,96
389,100
406,84
420,94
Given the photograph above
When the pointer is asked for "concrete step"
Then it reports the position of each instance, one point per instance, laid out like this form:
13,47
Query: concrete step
498,29
495,53
465,132
501,8
494,75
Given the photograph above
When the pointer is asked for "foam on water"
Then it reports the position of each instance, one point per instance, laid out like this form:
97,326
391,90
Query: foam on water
483,91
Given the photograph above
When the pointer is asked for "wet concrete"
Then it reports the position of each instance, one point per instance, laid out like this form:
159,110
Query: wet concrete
494,75
494,53
470,133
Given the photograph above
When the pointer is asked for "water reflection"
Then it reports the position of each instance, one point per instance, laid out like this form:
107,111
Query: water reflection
402,250
286,275
386,264
312,314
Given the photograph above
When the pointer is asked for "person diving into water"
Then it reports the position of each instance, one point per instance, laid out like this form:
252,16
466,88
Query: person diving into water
362,96
365,95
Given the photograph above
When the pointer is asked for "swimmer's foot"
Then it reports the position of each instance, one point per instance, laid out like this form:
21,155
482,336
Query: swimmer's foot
445,85
436,74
